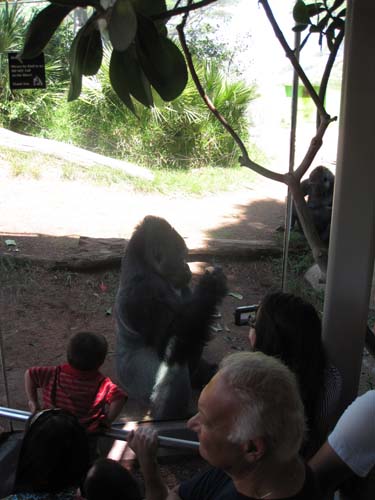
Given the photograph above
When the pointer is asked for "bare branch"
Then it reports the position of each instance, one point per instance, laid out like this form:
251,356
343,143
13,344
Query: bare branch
315,145
290,54
245,159
327,70
292,179
182,10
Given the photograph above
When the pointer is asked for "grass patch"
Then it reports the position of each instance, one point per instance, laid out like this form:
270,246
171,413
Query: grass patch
15,276
300,259
30,171
192,182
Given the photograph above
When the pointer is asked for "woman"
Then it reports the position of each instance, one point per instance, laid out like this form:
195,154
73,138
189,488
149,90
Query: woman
54,457
289,328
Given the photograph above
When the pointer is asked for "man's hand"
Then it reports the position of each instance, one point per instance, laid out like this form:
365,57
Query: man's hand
144,442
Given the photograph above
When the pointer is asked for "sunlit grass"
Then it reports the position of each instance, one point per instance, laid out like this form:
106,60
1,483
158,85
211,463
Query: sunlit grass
193,182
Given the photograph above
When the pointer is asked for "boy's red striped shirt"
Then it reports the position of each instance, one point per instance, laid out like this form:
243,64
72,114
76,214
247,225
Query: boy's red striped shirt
86,394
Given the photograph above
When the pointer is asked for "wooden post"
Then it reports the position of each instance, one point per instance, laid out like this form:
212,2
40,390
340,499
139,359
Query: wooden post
351,250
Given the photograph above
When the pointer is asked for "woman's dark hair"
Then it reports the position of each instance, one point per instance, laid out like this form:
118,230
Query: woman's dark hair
108,480
54,453
289,328
87,351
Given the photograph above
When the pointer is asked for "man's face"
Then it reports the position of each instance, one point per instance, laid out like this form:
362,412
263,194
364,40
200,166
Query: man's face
217,408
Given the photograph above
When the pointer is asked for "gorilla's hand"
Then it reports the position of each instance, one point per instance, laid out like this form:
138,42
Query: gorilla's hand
214,283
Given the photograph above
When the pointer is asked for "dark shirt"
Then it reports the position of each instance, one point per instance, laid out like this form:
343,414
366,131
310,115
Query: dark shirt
214,484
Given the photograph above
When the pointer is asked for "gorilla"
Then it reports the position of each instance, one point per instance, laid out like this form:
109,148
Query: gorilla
162,325
318,189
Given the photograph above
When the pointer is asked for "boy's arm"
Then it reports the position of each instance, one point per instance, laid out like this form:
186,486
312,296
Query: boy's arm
31,393
144,442
115,408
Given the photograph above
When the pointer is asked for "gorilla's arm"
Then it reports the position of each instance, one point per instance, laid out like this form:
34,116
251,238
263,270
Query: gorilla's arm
190,329
176,325
305,187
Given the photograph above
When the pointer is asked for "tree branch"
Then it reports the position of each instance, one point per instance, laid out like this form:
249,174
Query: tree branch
182,10
290,54
315,145
245,159
292,179
327,70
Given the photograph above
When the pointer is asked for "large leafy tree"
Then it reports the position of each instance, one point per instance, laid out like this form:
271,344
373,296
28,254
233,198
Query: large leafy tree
144,59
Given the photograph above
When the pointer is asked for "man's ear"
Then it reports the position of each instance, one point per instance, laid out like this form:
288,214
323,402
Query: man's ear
255,450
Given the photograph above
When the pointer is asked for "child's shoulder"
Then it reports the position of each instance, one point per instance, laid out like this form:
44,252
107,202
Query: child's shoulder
45,369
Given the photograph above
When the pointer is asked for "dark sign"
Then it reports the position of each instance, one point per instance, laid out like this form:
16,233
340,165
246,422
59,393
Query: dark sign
26,73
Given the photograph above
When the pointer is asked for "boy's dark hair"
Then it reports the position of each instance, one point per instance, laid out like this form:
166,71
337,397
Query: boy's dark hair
87,351
108,479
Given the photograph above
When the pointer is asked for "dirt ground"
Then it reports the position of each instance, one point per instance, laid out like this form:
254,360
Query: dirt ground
41,308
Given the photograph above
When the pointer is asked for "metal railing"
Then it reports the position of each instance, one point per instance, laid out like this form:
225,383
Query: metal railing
120,434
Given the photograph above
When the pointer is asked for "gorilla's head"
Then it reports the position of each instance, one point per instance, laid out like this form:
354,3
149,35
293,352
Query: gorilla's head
163,249
321,181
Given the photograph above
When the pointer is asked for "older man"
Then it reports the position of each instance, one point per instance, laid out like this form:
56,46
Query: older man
250,424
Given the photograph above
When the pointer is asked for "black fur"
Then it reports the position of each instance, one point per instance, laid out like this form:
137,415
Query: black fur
318,189
159,319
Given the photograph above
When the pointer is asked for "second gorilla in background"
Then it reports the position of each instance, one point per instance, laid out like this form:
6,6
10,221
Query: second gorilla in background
162,326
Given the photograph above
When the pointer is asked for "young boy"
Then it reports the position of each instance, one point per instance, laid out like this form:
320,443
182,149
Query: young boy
78,386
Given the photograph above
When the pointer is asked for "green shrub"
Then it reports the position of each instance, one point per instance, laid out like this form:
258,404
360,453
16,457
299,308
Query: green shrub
28,110
179,134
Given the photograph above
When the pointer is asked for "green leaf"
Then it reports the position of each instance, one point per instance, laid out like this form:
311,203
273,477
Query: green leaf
323,22
330,36
85,56
314,9
75,70
301,13
92,52
299,27
122,25
161,60
10,243
314,29
236,295
336,4
76,3
149,7
41,29
137,83
117,76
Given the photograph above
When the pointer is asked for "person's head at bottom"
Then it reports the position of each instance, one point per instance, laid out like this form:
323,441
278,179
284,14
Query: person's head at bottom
250,419
108,480
54,454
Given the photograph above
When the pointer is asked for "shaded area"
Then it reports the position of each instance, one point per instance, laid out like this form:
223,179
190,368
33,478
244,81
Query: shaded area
41,307
257,220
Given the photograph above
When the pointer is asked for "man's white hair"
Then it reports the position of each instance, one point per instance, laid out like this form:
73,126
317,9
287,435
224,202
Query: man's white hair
271,406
